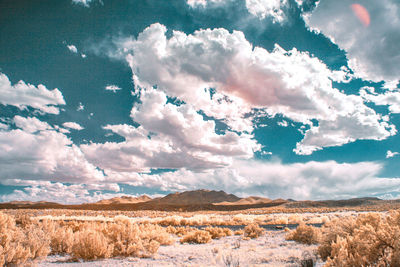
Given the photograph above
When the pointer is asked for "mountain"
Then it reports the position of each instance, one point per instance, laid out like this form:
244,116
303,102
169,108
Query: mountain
124,200
246,201
197,197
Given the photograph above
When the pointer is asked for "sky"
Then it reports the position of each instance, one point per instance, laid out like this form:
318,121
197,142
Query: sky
285,99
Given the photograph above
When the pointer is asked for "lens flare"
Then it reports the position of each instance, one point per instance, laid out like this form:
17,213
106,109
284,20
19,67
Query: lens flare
361,13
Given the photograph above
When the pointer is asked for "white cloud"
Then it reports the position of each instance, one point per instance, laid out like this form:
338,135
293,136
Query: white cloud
372,50
311,180
203,3
31,124
72,48
291,83
85,3
267,8
112,88
36,151
80,107
259,8
390,98
23,95
390,154
73,125
170,136
283,123
3,126
59,192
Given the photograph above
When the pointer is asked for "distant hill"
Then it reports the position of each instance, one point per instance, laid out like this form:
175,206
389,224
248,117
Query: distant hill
246,201
199,200
124,200
197,197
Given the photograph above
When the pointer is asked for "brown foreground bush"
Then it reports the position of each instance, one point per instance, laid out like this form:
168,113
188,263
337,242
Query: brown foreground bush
198,237
304,234
368,240
253,231
21,244
25,240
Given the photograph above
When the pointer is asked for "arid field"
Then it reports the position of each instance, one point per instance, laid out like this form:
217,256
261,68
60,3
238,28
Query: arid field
255,237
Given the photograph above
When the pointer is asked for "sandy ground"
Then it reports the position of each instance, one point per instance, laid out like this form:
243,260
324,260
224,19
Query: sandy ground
270,249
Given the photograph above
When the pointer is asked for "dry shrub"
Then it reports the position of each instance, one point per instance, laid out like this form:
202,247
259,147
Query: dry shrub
20,245
368,240
239,232
198,237
218,232
91,245
339,227
130,239
180,230
304,234
32,239
61,238
253,231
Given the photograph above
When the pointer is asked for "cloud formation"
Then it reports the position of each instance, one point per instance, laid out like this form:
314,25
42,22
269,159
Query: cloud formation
244,77
170,136
372,49
22,95
390,154
59,192
259,8
112,88
72,48
85,3
73,125
301,181
37,151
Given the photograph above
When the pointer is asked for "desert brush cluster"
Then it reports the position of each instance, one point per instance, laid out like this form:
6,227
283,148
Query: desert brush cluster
345,239
24,240
371,239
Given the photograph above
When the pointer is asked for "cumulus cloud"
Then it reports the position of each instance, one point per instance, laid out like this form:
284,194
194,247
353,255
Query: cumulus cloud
203,3
73,125
59,192
373,50
85,3
244,77
170,136
258,8
389,98
390,154
31,124
72,48
24,95
301,181
267,8
36,151
112,88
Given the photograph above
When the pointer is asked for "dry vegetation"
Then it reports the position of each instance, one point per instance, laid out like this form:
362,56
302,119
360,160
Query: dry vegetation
347,238
253,231
371,239
23,240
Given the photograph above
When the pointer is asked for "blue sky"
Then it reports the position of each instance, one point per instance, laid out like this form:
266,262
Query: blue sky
282,99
